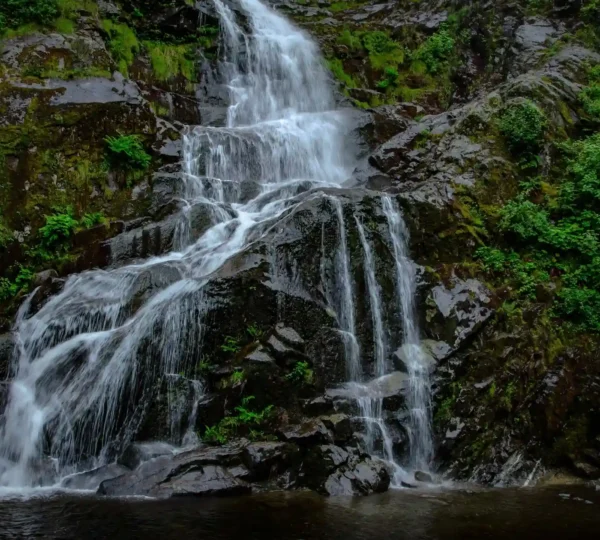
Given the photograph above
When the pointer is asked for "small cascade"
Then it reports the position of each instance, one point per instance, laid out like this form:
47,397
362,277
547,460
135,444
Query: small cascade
418,367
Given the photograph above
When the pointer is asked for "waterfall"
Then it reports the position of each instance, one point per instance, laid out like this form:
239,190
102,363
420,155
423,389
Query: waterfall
89,358
419,391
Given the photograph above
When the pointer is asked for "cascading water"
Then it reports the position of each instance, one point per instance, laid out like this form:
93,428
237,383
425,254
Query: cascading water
90,357
419,391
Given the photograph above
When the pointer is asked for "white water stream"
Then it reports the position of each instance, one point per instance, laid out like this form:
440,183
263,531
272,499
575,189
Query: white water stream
88,357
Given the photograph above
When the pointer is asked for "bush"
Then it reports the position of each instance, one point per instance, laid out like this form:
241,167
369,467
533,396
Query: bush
15,13
301,374
523,125
435,51
391,78
230,425
58,230
123,44
89,220
127,152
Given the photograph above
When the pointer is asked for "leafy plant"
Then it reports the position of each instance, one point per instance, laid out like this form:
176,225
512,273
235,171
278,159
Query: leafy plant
123,44
390,79
435,51
127,152
231,345
58,230
15,13
301,374
237,377
523,125
244,418
254,331
92,219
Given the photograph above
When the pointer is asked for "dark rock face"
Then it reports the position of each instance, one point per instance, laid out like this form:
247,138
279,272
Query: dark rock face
336,471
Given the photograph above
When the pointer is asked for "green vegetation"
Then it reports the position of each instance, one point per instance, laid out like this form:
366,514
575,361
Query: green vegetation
231,345
123,44
16,13
523,126
169,61
127,152
237,377
590,96
301,374
337,68
57,231
552,227
254,331
435,51
244,420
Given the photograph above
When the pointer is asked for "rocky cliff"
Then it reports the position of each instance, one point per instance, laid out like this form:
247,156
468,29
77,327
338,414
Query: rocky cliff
478,118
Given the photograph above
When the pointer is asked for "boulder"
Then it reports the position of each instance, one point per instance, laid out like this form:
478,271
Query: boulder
268,459
198,473
90,480
308,433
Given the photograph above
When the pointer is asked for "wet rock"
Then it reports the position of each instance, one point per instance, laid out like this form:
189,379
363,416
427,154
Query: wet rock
43,277
421,476
308,433
336,471
289,336
137,453
259,356
587,470
268,459
455,313
7,347
340,426
89,480
204,472
318,406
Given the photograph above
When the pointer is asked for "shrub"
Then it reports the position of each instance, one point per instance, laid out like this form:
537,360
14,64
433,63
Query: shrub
231,344
523,125
254,331
127,152
15,13
58,230
94,218
301,374
123,44
350,39
171,60
391,78
245,419
435,51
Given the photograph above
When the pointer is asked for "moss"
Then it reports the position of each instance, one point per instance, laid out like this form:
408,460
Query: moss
337,69
169,61
123,44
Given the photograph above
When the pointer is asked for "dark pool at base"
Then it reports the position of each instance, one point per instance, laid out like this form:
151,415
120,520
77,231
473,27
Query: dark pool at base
565,512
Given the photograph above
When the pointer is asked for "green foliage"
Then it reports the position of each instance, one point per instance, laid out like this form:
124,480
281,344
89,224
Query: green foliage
168,61
123,44
523,125
254,331
22,282
15,13
204,366
390,79
337,69
57,231
590,95
350,39
231,345
435,51
301,374
237,377
383,51
92,219
6,237
245,419
127,152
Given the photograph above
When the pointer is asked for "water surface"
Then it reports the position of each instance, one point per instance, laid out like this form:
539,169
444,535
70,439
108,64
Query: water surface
564,513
